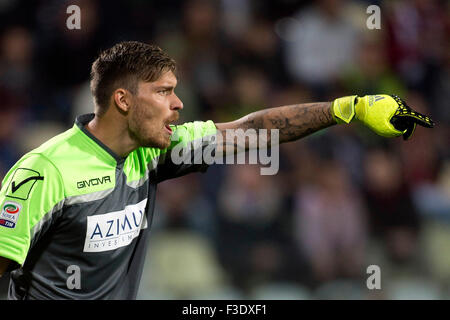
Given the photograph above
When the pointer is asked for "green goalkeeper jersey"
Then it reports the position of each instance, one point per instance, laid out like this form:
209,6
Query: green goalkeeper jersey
72,205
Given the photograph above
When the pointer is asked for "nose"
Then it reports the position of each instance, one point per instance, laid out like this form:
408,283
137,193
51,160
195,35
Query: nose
176,103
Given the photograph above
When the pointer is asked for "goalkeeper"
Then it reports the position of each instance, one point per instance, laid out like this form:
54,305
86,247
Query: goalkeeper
76,212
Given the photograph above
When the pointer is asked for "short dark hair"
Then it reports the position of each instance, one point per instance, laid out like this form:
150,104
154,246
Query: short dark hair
122,66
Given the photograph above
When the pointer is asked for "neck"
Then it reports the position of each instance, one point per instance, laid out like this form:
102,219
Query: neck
113,133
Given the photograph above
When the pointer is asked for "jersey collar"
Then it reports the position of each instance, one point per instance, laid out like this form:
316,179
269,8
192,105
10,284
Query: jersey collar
81,122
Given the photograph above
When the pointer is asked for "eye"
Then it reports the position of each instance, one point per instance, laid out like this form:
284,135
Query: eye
165,92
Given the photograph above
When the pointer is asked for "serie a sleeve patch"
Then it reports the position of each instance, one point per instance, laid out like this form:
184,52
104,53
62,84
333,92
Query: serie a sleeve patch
9,214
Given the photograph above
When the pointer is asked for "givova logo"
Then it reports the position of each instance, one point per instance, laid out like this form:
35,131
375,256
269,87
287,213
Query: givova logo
10,214
115,229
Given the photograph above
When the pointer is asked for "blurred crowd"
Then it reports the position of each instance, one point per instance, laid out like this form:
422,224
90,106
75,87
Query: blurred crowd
344,198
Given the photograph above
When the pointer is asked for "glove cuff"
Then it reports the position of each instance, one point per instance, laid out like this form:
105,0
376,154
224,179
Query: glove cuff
343,109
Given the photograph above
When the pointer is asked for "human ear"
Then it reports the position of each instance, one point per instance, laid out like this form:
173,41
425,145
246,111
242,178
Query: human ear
122,99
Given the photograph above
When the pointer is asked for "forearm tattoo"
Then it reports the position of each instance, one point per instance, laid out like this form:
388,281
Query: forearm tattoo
293,122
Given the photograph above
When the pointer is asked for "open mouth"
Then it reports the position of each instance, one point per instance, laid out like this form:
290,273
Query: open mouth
168,129
169,123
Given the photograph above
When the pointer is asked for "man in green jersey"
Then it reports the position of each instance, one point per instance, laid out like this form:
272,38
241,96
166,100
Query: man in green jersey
82,203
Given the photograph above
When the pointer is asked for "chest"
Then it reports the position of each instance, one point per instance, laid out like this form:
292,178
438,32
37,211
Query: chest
107,220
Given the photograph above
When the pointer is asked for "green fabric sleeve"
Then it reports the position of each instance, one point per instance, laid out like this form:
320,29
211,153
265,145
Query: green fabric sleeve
191,131
30,190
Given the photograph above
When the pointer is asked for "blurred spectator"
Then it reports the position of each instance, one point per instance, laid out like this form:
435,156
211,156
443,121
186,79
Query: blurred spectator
251,88
372,73
252,238
64,56
248,196
322,41
441,88
68,62
182,204
11,116
330,223
258,47
393,217
236,16
16,72
411,24
202,47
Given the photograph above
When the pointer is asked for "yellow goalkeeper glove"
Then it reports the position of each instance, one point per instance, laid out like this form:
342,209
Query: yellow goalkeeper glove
386,115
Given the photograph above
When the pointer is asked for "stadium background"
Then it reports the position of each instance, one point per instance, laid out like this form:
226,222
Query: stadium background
343,199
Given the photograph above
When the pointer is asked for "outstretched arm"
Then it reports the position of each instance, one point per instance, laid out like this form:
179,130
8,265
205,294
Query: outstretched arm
293,122
386,115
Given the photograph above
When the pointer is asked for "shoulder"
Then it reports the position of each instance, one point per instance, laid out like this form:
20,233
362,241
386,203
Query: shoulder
59,147
32,170
50,152
44,161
